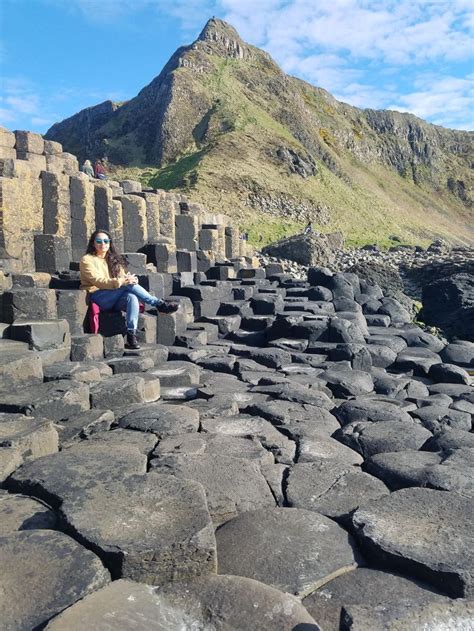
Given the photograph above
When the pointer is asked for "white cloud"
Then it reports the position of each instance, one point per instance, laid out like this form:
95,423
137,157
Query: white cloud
447,101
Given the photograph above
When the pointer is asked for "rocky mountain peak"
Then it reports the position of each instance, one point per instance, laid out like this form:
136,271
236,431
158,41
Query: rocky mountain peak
223,38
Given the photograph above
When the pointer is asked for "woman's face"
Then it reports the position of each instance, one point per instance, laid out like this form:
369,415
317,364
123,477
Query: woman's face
101,244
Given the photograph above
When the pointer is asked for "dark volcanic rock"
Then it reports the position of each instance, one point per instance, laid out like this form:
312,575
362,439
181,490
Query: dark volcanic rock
147,528
18,512
331,488
59,476
402,530
369,588
64,572
449,304
232,485
208,602
160,418
453,614
273,545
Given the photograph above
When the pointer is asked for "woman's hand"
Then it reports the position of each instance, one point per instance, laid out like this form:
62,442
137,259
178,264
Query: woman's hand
130,279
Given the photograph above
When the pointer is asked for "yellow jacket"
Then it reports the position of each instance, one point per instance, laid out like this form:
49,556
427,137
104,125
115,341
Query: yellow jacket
95,274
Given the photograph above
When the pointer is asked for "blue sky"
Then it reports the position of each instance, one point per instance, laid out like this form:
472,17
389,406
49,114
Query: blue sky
59,56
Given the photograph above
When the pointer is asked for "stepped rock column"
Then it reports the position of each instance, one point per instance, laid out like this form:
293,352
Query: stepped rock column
21,214
152,201
81,192
7,144
108,212
56,209
187,232
168,208
135,233
232,248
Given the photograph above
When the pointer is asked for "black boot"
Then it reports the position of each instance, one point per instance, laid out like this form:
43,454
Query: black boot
132,342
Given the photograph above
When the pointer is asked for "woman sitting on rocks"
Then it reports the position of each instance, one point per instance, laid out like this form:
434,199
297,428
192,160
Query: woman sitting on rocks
111,287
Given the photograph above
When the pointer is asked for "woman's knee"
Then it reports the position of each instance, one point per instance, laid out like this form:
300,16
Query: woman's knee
131,298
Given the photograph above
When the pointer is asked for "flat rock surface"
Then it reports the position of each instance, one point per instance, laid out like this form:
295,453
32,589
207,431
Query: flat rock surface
31,437
43,572
18,512
160,418
350,488
403,530
235,446
291,549
220,603
232,485
373,438
242,425
369,588
54,400
55,478
455,614
151,528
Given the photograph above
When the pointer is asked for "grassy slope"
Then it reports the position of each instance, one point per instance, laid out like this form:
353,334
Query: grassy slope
221,168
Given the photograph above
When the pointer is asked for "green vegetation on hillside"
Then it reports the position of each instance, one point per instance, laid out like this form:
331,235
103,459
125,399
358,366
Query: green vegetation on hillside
232,126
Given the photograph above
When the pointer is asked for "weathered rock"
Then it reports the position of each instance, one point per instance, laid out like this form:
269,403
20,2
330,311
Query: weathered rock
271,545
439,417
374,438
317,447
54,400
449,303
448,373
232,485
370,410
10,459
82,426
419,360
118,391
235,446
64,572
161,419
402,530
282,448
165,530
19,369
30,437
331,488
177,374
448,439
63,475
345,383
79,371
207,602
368,588
459,353
18,512
454,614
124,365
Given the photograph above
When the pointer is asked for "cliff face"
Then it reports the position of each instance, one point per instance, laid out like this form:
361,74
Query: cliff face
223,120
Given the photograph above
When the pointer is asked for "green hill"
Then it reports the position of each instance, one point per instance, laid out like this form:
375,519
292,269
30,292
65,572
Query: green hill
224,124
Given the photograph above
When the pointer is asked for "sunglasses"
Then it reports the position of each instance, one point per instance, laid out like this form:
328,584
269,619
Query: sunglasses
99,241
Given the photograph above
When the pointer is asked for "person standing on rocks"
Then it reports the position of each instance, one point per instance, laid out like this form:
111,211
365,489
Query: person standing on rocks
88,169
309,228
112,288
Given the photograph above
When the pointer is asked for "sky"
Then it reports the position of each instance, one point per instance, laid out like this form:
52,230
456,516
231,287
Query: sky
60,56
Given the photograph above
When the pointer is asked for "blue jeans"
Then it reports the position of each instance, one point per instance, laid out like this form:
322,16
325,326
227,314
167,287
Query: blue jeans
125,298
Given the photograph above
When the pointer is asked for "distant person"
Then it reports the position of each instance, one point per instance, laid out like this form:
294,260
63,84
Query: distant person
99,170
108,284
309,228
88,169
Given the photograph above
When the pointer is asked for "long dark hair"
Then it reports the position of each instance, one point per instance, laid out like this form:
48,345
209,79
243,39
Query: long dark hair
115,261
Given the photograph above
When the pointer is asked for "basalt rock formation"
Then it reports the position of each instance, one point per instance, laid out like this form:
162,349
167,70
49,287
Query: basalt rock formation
181,485
225,124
